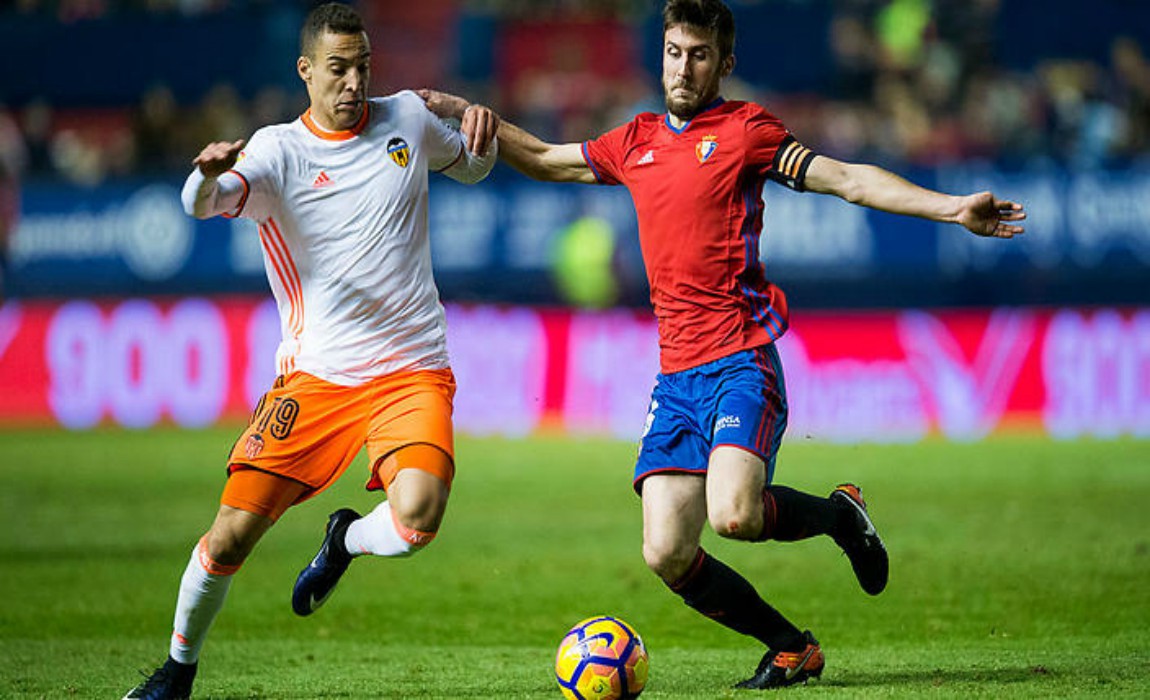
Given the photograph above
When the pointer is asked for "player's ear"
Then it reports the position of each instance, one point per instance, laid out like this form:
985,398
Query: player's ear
728,65
303,67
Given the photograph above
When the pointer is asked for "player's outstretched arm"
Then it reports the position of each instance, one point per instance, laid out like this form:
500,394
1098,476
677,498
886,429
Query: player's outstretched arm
202,196
522,150
981,213
540,160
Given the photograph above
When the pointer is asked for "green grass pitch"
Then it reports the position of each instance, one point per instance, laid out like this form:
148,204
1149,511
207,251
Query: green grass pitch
1020,568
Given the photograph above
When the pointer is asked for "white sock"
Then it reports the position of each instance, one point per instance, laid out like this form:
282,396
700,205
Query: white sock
379,533
203,589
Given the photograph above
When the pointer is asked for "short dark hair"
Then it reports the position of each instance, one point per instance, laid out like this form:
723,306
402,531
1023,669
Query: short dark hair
334,17
708,15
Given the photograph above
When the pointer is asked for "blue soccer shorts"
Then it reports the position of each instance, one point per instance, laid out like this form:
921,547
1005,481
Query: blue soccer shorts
739,400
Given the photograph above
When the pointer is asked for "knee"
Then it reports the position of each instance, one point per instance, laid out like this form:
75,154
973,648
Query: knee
228,546
422,511
736,523
667,561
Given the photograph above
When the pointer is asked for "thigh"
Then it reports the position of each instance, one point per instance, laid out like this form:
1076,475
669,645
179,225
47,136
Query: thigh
674,511
735,482
411,409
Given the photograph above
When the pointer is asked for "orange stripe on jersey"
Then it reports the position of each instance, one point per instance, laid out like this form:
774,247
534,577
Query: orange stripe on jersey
294,275
277,252
273,256
326,135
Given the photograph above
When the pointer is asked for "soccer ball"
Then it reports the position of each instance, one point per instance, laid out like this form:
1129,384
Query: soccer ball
601,658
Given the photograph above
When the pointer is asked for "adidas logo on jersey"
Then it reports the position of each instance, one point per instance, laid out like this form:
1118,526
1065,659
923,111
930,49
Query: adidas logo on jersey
648,157
322,180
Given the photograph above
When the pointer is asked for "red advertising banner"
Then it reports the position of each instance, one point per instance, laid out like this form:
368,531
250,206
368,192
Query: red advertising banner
884,376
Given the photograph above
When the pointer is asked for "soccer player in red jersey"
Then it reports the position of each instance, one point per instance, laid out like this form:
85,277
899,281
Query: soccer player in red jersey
719,408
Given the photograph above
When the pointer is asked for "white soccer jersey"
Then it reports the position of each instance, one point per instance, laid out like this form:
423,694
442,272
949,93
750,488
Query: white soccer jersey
343,224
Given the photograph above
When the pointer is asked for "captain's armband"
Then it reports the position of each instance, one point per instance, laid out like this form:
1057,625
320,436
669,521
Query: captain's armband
789,167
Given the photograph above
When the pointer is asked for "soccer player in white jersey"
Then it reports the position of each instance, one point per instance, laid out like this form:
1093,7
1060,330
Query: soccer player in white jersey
341,199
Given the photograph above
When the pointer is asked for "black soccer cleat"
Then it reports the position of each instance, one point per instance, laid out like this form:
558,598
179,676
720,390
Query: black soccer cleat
779,669
172,681
317,581
859,539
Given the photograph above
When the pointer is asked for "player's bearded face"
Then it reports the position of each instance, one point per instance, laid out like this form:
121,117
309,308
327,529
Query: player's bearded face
692,70
337,77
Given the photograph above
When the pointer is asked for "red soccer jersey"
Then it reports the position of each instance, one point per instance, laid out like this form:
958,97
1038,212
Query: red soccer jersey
698,196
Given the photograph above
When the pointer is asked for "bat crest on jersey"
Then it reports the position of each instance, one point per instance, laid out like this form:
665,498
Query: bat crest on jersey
398,150
706,148
253,446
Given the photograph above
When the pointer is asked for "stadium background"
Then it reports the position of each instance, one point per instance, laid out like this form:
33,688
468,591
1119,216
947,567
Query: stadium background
1012,377
119,309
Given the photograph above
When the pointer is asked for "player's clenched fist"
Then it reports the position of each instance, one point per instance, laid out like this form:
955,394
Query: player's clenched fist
218,157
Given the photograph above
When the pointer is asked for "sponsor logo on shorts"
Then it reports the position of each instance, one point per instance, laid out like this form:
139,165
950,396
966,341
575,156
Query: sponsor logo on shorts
727,422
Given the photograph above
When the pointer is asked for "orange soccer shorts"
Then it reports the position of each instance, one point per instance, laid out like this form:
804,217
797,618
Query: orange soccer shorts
307,431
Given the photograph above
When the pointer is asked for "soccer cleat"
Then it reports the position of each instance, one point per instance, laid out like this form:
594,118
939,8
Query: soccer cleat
318,579
779,669
172,681
859,539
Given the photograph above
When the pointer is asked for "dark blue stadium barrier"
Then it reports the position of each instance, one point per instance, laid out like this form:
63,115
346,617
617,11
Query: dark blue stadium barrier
1088,241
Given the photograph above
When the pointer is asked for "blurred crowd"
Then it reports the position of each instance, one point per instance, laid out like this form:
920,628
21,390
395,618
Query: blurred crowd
157,136
921,85
913,83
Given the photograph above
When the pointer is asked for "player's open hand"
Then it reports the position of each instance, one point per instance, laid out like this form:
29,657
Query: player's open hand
986,215
218,157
